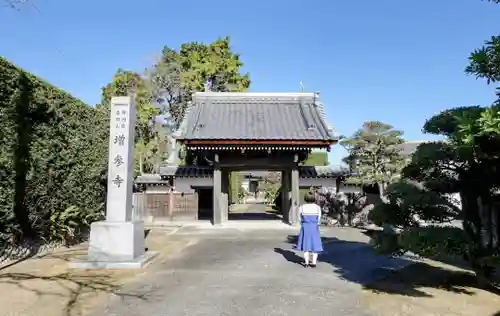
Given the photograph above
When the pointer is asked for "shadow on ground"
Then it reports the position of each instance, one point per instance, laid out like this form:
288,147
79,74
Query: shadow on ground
358,263
254,216
70,286
253,211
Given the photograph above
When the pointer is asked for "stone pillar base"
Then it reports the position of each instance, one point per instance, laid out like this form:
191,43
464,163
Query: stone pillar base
114,245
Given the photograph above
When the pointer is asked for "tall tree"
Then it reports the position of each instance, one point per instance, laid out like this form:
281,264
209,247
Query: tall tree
374,154
195,67
484,62
467,163
150,138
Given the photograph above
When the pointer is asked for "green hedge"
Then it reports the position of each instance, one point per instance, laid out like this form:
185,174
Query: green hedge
53,157
317,158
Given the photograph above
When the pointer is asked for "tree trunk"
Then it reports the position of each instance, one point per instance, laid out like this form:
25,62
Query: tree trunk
381,190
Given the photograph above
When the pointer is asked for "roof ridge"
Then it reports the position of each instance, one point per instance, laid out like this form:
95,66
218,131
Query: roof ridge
313,108
196,95
286,116
329,126
183,126
305,118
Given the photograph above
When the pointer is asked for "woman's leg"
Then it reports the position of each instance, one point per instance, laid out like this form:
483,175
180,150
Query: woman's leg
306,257
314,258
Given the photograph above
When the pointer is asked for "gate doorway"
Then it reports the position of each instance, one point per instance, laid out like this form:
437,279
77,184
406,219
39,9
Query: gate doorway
253,196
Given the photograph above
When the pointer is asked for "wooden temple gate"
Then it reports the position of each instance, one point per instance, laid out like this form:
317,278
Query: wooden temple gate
229,132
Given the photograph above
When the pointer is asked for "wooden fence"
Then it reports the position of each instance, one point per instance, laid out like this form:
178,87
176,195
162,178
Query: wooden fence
156,206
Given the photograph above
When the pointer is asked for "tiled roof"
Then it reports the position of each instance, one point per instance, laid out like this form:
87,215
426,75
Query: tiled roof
409,147
249,116
254,174
187,171
151,179
207,172
322,171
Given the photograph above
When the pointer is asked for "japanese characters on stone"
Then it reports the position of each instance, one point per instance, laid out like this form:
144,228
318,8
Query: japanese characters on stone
119,140
120,119
118,180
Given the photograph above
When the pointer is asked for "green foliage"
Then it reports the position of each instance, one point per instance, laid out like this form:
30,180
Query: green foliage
407,203
235,188
150,137
485,62
317,158
271,191
165,91
387,243
374,154
53,155
241,196
435,241
67,225
180,73
467,163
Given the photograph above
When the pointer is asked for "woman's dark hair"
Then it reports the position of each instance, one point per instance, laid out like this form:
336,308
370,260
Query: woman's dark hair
310,197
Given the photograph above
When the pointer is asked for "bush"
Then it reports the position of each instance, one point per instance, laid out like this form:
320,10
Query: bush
53,155
435,241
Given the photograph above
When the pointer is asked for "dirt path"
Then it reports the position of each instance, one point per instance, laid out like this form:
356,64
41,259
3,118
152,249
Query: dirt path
44,285
430,289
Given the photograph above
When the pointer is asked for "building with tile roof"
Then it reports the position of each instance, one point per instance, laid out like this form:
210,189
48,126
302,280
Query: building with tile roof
230,132
237,120
409,147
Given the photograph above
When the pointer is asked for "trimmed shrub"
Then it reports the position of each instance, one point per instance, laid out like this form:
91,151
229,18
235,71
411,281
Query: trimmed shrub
53,158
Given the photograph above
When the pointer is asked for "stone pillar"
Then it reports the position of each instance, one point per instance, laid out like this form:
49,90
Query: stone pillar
171,201
225,191
217,190
294,196
285,195
118,241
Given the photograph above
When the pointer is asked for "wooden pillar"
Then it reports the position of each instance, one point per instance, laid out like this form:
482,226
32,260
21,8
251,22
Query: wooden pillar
217,190
171,202
294,197
230,190
285,195
224,201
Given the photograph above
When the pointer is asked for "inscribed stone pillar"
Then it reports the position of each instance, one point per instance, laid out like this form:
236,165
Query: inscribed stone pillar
121,160
118,241
217,190
294,197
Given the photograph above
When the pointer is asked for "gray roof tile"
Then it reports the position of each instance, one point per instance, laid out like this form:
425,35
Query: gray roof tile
187,171
409,147
207,172
255,174
322,171
248,116
150,179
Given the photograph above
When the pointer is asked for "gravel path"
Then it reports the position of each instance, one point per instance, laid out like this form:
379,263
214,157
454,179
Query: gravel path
254,273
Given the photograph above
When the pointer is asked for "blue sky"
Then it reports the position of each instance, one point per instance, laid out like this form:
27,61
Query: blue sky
395,61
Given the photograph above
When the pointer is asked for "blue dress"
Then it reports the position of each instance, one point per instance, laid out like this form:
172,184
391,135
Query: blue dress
309,237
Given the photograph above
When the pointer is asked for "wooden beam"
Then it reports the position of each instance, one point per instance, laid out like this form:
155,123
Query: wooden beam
241,142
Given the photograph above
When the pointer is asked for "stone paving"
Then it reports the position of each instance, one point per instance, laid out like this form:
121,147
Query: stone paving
246,271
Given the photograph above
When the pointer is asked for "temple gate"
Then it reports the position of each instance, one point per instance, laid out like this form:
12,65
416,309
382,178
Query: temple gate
225,132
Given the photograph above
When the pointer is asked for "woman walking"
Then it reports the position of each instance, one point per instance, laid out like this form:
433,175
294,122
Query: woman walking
309,241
